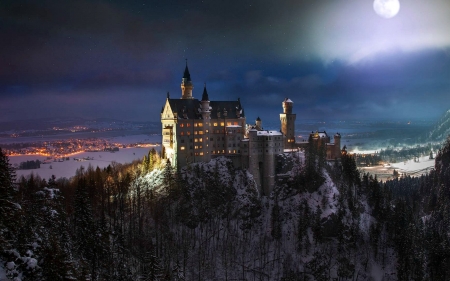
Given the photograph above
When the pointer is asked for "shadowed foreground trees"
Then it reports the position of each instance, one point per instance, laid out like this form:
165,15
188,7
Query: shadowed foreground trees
208,222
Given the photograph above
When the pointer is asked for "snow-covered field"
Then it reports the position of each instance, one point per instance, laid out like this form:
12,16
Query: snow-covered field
67,168
409,167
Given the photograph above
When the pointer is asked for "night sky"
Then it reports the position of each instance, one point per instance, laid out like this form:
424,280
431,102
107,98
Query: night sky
336,59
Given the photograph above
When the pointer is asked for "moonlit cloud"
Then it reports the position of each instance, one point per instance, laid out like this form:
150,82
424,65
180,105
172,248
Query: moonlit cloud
351,31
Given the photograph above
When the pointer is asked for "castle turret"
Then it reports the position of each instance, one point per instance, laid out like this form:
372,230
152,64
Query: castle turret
205,105
337,146
186,84
288,123
258,124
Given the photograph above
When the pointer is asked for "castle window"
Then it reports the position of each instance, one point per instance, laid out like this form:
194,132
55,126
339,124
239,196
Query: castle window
195,140
201,153
188,133
211,139
200,139
222,124
195,124
234,151
207,131
190,147
188,124
239,151
196,147
200,124
182,148
200,132
235,123
182,141
228,123
215,124
181,125
181,133
195,132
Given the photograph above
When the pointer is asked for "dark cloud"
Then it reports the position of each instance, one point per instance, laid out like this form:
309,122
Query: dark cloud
333,58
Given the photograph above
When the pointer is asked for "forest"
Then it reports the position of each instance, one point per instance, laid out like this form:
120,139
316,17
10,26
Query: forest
147,221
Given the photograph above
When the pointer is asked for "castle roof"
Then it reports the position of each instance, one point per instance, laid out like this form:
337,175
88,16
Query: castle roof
269,133
288,100
191,109
205,94
186,74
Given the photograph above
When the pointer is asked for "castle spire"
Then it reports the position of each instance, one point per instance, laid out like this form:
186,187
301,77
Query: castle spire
186,84
186,74
205,94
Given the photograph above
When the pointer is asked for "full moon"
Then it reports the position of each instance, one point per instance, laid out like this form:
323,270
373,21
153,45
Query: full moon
386,8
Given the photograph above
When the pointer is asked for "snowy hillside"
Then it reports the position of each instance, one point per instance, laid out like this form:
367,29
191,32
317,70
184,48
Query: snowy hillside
441,129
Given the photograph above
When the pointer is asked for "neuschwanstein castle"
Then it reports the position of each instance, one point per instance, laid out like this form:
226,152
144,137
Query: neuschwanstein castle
198,130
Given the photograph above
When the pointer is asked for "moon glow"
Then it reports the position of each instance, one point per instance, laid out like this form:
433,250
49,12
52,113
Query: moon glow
386,8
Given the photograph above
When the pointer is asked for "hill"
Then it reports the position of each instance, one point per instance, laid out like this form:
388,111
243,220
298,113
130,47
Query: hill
441,129
323,221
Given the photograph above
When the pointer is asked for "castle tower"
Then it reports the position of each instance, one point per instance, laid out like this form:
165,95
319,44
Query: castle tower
258,124
337,146
186,84
288,123
205,105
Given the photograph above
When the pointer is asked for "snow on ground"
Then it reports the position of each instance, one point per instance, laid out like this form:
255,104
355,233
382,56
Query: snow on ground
411,168
68,167
136,139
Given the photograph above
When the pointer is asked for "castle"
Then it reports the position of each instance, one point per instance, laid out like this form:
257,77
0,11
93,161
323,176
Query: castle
198,130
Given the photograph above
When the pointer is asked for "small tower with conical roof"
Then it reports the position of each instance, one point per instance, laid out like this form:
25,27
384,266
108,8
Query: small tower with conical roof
288,123
205,105
186,84
258,124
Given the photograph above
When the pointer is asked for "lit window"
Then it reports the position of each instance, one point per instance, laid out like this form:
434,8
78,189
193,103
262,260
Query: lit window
201,153
228,123
200,139
182,148
200,124
195,132
235,123
181,125
182,133
215,124
207,131
222,124
188,124
200,132
195,140
188,133
195,124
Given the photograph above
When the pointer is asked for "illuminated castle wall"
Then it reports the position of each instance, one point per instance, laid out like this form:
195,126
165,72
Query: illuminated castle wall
198,130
